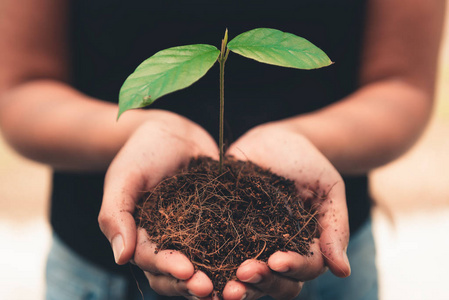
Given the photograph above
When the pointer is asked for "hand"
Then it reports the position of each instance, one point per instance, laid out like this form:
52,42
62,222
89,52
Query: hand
170,272
157,149
278,147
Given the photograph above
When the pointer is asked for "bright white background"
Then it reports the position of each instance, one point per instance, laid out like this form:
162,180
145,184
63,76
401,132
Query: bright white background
411,217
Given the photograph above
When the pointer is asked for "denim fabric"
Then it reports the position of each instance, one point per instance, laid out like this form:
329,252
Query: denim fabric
70,277
363,282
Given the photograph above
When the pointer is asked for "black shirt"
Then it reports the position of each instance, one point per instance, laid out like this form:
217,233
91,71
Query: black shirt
109,38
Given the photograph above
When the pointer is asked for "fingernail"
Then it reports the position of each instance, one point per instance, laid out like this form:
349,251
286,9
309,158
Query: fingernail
256,278
117,247
346,259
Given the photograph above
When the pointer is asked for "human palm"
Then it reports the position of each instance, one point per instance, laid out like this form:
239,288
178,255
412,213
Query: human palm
289,154
156,150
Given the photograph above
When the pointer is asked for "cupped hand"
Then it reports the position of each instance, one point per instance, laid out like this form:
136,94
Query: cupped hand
170,272
157,149
280,148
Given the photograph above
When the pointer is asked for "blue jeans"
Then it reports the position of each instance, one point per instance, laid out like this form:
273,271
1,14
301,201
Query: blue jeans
70,277
361,285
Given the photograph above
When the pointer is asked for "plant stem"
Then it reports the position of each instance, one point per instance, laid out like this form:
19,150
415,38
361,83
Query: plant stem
222,60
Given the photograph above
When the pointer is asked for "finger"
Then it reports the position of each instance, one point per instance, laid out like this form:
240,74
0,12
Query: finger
125,182
198,286
166,262
166,285
334,252
296,266
115,218
236,290
260,277
334,227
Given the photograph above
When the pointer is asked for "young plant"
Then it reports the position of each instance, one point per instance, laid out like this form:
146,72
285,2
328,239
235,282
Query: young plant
176,68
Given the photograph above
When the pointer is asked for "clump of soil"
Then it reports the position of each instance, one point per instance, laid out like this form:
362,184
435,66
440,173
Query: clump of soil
219,220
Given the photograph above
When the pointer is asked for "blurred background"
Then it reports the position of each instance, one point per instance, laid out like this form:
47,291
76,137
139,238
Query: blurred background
411,216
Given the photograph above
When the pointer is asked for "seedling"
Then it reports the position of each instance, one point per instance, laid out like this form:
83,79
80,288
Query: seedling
176,68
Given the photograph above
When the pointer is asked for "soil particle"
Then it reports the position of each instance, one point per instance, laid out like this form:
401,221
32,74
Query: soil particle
219,220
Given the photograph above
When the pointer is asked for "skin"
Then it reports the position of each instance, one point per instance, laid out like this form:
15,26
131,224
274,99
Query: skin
46,120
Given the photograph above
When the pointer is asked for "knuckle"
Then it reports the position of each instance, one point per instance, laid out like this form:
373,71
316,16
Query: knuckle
138,260
104,218
180,289
145,263
164,285
156,284
153,280
290,293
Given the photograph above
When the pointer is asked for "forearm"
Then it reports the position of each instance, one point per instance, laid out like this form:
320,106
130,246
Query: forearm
386,115
370,127
52,123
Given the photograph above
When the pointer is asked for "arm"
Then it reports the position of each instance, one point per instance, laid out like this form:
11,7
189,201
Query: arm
390,110
41,116
46,120
368,128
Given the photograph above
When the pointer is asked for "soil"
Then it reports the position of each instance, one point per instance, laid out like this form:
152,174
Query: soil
219,220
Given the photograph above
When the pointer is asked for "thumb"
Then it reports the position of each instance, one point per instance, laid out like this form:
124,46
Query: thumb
116,214
334,236
334,253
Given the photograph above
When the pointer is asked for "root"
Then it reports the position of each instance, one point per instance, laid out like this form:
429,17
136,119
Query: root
219,220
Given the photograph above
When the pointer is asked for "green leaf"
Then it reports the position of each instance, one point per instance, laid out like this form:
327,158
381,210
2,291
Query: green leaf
167,71
278,48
